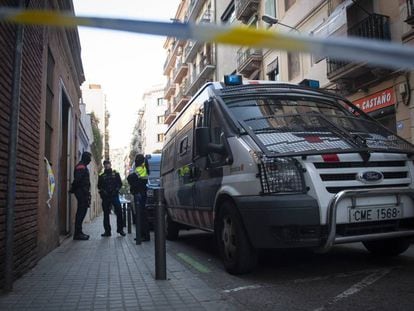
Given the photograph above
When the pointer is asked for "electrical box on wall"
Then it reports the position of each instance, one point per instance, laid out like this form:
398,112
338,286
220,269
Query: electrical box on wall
402,88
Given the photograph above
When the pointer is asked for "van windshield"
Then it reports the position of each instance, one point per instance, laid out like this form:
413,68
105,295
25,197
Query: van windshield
311,125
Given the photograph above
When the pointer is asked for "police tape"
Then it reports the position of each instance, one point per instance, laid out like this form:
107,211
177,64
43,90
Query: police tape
372,52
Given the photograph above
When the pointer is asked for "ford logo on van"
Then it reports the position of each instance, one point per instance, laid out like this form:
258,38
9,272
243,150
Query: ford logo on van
370,177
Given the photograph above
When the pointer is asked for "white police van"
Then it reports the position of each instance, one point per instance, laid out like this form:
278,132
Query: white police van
272,165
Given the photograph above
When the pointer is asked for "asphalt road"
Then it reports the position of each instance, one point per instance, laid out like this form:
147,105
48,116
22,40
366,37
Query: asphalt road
346,278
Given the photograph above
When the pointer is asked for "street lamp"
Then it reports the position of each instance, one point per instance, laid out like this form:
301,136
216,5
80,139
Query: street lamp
273,21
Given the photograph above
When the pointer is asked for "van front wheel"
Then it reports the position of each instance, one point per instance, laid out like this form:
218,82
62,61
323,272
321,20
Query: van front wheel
389,247
235,249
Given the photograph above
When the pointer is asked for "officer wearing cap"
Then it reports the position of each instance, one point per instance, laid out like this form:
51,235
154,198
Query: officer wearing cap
81,187
109,184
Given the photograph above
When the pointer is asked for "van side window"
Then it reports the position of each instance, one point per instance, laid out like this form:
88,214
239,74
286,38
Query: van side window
184,145
167,163
217,136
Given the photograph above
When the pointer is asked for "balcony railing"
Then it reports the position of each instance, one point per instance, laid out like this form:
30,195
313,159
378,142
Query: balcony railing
191,51
181,99
246,8
249,60
202,72
207,17
193,9
375,26
169,116
169,89
410,12
180,71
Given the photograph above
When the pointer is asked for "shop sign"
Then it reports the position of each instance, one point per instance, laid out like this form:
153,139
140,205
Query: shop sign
377,100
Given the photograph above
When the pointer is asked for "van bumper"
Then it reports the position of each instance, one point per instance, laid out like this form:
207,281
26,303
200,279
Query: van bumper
282,221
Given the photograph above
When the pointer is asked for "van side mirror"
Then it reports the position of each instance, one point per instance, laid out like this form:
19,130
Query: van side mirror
204,145
202,135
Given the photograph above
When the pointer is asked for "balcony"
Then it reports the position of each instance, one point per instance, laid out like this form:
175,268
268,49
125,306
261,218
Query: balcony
245,9
191,50
169,90
410,12
207,17
169,116
193,9
181,99
169,62
180,71
358,75
200,75
249,60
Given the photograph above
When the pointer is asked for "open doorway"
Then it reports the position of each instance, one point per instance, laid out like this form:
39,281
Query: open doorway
64,165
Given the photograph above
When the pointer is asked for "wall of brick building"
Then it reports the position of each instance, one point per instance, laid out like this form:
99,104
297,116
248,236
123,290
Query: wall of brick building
37,230
27,187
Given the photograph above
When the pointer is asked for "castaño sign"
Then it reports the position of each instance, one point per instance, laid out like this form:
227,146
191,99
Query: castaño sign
377,100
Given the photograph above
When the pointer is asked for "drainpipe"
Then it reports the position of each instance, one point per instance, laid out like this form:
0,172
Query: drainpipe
13,140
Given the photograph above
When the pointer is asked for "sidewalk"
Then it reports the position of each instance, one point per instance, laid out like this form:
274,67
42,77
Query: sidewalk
109,274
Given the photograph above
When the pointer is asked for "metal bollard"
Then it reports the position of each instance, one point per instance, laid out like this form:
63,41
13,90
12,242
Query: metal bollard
129,217
137,223
124,215
160,249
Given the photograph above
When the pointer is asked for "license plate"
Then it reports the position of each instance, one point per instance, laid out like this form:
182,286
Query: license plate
375,213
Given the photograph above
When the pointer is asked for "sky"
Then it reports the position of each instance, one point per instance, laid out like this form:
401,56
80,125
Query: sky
125,64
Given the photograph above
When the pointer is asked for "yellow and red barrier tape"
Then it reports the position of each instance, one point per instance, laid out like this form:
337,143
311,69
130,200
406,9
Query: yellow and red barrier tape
372,52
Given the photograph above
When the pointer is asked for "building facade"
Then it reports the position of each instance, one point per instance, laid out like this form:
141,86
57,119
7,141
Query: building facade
189,64
95,100
119,160
136,140
383,93
49,114
152,124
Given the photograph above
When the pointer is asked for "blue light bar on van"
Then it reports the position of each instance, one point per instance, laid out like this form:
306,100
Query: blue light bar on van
233,79
314,84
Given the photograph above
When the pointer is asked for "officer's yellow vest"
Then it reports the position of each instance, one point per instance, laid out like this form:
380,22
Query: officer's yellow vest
142,171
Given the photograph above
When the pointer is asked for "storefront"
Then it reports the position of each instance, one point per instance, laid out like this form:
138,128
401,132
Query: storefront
381,106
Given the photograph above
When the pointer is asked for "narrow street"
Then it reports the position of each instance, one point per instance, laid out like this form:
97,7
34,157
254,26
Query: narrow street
110,273
347,278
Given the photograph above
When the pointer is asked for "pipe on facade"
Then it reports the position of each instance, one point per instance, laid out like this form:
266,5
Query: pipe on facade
12,154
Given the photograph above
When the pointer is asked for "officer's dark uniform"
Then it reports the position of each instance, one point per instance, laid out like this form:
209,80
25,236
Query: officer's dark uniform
109,184
81,186
138,186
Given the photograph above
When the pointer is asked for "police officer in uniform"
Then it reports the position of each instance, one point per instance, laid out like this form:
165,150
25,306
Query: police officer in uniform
138,185
81,186
109,184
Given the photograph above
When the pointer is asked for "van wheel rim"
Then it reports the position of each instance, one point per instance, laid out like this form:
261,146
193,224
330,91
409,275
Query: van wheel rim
229,238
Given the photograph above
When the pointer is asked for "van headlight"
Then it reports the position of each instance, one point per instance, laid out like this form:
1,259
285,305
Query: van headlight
281,175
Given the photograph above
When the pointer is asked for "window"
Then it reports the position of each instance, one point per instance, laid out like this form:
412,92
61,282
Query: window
272,71
293,65
160,119
229,15
160,138
288,4
160,101
217,137
184,145
270,8
49,104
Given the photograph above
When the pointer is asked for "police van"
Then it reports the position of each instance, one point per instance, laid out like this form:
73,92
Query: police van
274,165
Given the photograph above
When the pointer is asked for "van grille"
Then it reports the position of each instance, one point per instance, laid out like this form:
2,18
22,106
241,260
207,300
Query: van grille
338,176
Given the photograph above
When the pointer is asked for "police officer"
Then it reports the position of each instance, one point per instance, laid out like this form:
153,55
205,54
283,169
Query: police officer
81,188
109,184
138,186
